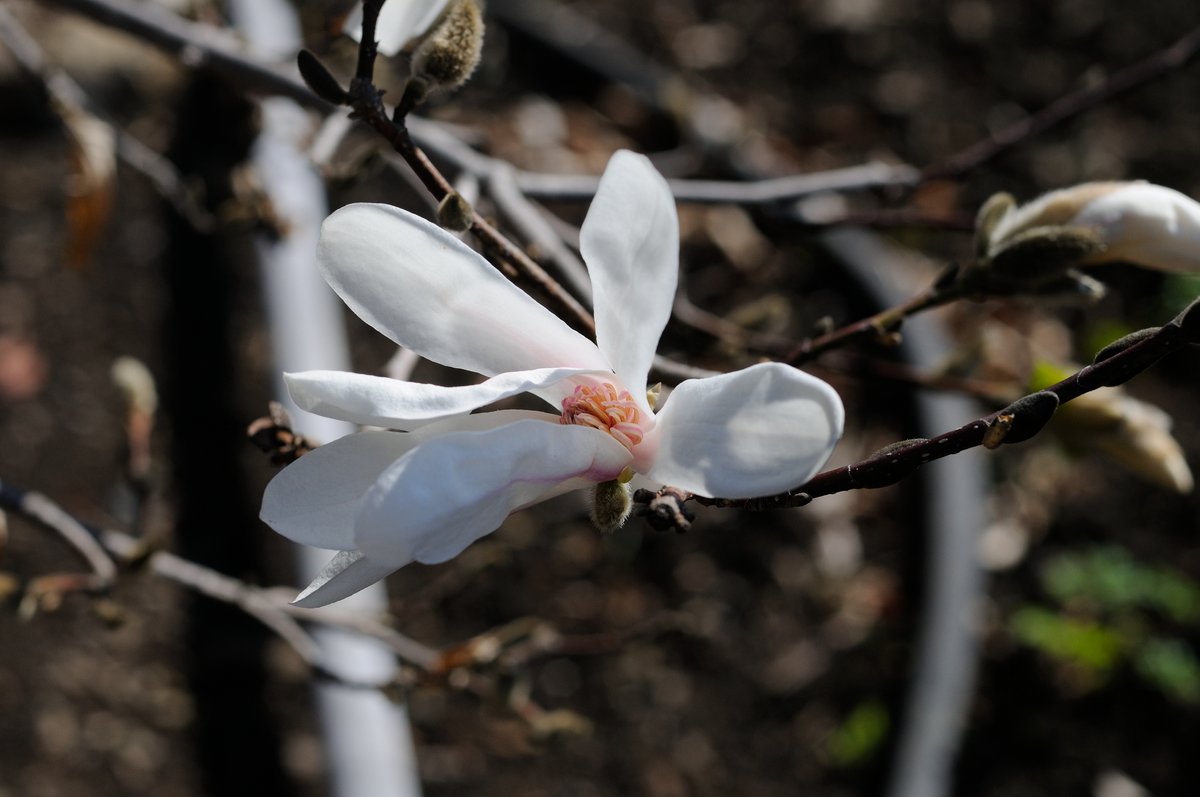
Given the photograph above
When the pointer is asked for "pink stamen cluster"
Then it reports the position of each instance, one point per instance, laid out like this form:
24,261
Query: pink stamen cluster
602,407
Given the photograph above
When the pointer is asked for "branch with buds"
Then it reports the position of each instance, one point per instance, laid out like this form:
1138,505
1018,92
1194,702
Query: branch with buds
1114,365
489,665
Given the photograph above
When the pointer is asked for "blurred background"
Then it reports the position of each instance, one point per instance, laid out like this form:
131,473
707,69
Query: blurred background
760,653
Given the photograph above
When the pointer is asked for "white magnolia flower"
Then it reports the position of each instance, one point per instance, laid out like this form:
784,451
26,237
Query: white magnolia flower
384,499
1136,221
400,21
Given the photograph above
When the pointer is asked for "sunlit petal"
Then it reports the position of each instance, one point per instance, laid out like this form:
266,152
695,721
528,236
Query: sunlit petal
630,242
754,432
429,292
1147,224
456,488
380,401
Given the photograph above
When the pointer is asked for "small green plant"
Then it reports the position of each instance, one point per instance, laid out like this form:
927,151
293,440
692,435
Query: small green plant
1107,602
860,734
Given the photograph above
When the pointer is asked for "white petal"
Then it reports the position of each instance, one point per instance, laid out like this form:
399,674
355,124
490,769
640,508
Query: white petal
1147,224
315,499
399,22
428,291
630,242
381,401
755,432
347,573
456,488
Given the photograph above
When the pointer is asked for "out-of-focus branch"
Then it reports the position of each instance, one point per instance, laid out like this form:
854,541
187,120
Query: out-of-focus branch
880,326
197,45
467,666
767,191
270,606
1169,59
202,45
50,515
365,99
65,92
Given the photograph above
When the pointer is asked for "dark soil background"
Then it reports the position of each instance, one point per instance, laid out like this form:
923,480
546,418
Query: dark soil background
760,654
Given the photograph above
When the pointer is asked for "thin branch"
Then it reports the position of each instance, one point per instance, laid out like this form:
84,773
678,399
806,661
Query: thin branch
368,106
508,647
768,191
881,326
724,330
270,606
197,45
1017,422
1167,60
133,152
996,393
258,603
51,516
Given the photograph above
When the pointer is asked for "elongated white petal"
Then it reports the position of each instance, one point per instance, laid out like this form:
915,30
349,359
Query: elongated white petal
754,432
315,499
399,22
347,573
1146,224
380,401
630,242
456,488
429,292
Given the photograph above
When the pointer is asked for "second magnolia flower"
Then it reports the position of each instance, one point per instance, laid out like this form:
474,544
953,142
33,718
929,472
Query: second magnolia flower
384,499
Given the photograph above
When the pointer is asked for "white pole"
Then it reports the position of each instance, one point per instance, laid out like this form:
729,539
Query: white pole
368,741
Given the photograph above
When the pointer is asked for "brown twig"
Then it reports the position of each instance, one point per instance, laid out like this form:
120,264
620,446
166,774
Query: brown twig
882,326
66,92
201,45
996,393
1016,423
197,45
1171,58
365,100
507,648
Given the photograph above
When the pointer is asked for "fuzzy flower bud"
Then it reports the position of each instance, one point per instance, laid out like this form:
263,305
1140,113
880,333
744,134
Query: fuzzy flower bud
611,503
450,53
454,213
1135,222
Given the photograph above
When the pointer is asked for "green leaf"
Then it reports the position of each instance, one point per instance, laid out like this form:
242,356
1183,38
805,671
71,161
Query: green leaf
860,734
1170,666
1110,580
1081,642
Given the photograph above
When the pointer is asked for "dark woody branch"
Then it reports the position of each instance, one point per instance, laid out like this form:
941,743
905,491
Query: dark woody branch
366,101
1019,421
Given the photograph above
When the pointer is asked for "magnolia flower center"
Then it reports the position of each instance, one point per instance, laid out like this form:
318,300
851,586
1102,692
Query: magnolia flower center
603,407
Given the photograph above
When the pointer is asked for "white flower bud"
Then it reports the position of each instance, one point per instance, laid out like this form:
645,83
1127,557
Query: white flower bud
1135,222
